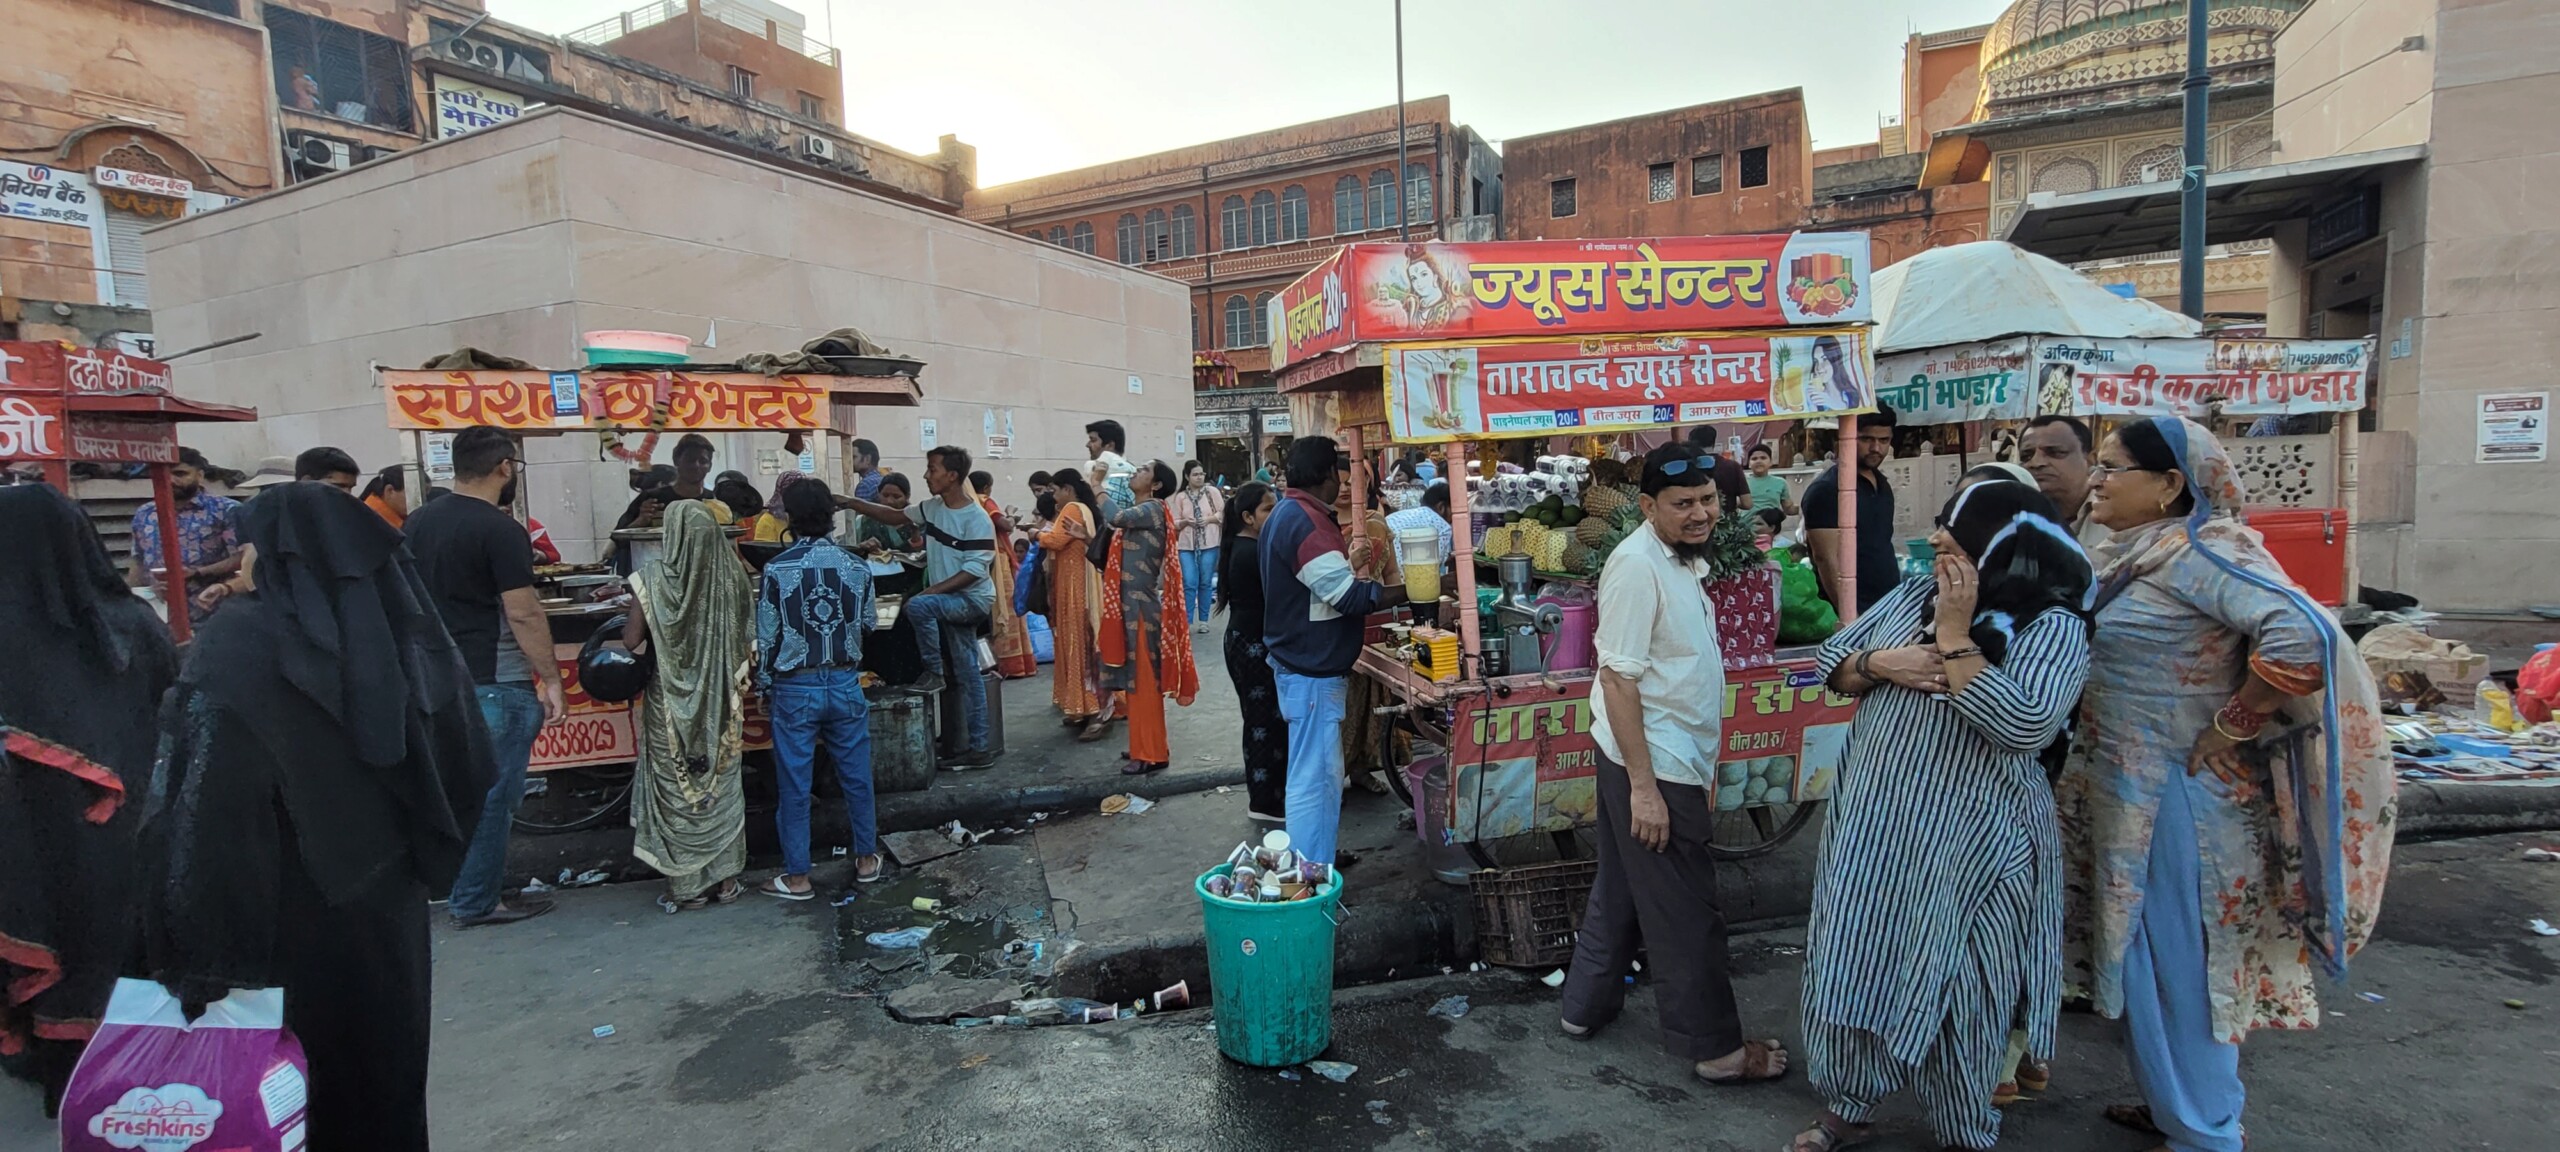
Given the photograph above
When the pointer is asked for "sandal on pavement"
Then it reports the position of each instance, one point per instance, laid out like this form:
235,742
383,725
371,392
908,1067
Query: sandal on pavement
1094,729
670,905
1830,1133
2006,1093
1761,1060
729,891
2134,1116
879,869
777,889
2034,1075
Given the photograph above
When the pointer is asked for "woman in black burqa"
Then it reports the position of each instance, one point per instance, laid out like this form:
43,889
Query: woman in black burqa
322,764
75,751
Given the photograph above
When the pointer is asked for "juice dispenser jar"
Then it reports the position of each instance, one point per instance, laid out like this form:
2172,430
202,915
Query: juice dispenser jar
1418,550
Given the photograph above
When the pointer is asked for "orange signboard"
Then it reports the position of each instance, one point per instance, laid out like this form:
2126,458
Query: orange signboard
533,400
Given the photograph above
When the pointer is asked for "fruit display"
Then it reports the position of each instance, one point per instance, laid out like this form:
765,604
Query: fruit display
1765,780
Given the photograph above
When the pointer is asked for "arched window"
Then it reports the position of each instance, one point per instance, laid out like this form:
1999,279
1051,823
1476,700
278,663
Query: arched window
1240,322
1350,213
1266,218
1382,199
1186,232
1082,241
1262,320
1417,193
1159,238
1058,235
1231,226
1125,238
1293,213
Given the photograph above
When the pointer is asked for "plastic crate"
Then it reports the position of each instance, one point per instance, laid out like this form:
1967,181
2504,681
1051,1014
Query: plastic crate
1526,916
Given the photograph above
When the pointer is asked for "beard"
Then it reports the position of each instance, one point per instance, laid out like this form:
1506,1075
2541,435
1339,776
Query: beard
507,495
1689,553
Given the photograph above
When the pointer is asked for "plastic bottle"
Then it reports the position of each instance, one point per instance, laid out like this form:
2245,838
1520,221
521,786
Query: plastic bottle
2494,707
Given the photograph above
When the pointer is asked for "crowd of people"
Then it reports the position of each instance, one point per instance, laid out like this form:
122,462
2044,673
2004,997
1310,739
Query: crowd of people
2105,748
2105,751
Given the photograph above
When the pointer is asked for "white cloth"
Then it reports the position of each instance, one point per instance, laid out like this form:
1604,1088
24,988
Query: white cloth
1657,628
1421,517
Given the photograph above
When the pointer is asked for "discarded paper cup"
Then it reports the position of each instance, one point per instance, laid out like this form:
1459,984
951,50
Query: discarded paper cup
925,904
1276,839
1178,996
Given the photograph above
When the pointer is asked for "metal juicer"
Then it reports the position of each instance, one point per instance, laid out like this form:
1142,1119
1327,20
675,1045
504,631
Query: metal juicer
1521,621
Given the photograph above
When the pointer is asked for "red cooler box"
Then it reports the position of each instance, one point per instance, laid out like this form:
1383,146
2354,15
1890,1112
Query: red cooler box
2311,544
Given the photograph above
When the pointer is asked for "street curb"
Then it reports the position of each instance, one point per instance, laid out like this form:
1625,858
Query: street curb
1376,943
977,808
2431,809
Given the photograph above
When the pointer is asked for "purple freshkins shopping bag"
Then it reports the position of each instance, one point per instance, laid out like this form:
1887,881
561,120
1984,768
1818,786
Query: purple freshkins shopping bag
151,1081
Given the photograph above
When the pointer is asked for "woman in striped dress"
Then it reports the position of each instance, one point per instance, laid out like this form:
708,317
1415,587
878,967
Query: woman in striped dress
1937,909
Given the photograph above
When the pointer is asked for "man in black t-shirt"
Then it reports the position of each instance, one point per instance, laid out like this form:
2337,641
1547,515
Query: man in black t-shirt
1731,481
1876,570
477,563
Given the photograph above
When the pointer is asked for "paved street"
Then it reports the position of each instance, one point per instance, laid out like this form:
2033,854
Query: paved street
736,1029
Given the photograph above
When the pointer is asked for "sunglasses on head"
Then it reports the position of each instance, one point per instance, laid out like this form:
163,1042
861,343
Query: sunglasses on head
1682,466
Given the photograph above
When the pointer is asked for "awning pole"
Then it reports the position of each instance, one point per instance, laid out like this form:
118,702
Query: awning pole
2198,87
173,575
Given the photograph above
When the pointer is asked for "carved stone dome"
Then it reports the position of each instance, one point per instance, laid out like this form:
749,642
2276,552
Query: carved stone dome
2056,53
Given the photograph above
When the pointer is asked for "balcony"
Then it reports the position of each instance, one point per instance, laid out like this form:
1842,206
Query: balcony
738,16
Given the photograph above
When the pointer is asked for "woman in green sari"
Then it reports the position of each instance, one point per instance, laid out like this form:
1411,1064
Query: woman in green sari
695,606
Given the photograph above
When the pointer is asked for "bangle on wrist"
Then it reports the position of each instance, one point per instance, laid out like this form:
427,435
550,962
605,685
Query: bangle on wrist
2235,715
1860,666
2228,734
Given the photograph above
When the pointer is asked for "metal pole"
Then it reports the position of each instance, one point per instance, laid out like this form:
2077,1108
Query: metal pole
1845,472
2198,88
1402,233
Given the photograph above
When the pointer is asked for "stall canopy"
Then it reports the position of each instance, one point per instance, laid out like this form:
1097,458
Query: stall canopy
1986,290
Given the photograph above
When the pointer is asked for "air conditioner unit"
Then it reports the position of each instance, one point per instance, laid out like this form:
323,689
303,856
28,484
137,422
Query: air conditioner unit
475,53
818,148
313,154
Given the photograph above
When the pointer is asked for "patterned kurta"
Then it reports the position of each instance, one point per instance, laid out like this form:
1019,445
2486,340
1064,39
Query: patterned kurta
2170,651
1075,604
1939,895
1140,545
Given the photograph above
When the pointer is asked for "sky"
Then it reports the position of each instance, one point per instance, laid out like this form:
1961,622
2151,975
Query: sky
1040,86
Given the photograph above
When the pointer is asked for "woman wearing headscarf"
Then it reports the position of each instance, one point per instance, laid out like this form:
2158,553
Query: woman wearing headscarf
2227,810
1140,656
322,763
1937,907
874,537
1008,636
695,606
73,761
770,526
1075,610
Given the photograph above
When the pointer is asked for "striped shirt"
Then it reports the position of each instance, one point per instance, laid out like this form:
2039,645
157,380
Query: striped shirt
811,610
1940,887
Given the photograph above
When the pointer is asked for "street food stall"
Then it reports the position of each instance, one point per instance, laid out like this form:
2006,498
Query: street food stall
1988,335
1462,345
593,750
61,404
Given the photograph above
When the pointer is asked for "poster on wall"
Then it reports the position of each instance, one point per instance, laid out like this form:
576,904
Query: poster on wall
1985,381
2188,377
1449,391
2515,428
1442,291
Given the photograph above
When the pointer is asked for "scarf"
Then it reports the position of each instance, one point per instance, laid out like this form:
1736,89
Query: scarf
2028,563
74,748
699,605
2315,779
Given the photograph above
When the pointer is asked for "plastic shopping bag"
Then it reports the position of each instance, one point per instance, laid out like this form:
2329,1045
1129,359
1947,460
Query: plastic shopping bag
151,1081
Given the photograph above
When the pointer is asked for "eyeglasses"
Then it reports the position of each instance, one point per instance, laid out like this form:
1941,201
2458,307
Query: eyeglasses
2099,472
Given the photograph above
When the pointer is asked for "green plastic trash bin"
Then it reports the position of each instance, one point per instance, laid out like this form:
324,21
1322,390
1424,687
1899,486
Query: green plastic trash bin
1271,974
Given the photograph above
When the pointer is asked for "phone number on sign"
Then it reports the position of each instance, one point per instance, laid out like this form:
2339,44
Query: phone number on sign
590,739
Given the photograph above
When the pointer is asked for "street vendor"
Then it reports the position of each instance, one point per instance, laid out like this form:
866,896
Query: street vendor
208,542
693,471
1657,718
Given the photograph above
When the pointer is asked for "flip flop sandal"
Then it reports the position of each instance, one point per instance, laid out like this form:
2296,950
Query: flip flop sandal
729,891
1829,1134
777,890
670,905
1757,1055
2134,1116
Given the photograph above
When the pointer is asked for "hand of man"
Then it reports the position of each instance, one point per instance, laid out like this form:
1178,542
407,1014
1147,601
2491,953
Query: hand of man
555,702
1914,667
211,595
1648,818
649,511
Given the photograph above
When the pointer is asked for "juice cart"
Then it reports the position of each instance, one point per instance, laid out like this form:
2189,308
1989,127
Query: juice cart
61,404
1460,344
583,765
1986,334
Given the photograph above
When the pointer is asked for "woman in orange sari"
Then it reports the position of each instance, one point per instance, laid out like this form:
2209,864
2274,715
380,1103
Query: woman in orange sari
1075,610
1140,656
1011,637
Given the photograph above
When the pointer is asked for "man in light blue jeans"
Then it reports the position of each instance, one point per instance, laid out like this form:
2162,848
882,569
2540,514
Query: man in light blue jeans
1313,704
514,714
1313,607
813,609
946,625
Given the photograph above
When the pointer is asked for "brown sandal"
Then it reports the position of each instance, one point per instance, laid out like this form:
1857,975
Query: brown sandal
1830,1133
2134,1116
1759,1062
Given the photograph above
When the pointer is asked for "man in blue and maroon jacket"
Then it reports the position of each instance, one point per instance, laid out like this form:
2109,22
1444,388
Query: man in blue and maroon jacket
1313,607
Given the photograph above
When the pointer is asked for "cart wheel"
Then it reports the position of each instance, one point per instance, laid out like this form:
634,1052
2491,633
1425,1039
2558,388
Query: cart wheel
575,799
1757,831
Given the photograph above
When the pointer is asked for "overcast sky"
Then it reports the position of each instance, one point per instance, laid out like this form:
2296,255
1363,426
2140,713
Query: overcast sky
1041,86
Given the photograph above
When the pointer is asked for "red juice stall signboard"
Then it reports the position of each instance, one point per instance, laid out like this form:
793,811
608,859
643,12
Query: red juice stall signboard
1449,391
1437,291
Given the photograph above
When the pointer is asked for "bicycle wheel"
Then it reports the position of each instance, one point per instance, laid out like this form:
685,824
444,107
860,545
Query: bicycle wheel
1758,830
574,799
